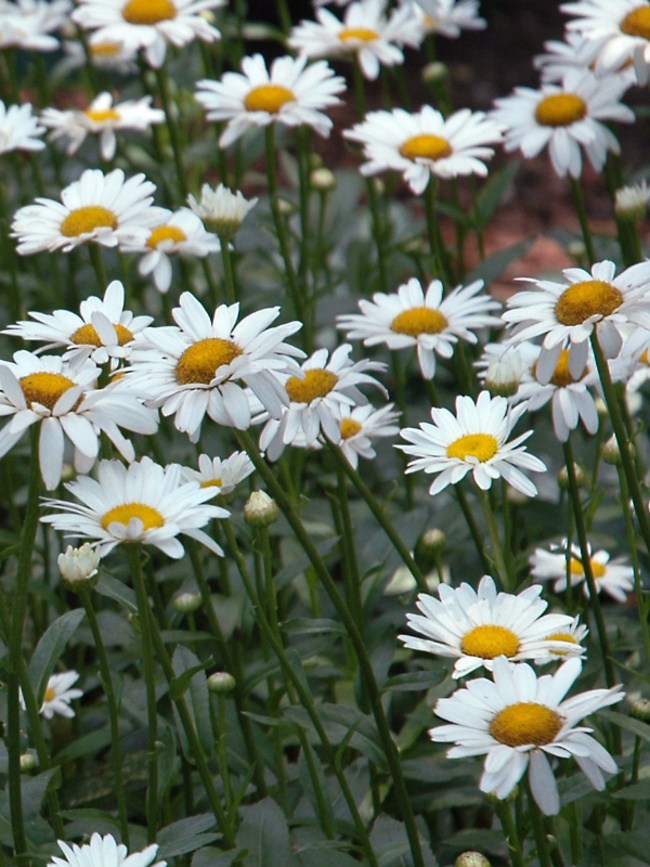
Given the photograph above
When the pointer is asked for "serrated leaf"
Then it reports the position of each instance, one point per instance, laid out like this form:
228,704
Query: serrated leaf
338,721
50,647
197,700
265,835
187,835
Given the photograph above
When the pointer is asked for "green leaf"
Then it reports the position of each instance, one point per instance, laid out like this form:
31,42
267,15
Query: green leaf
211,857
637,727
198,699
492,192
338,721
391,844
308,625
180,684
186,835
265,834
50,647
494,266
117,590
637,792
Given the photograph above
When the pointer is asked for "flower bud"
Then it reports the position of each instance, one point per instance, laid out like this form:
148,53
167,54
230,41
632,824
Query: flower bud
611,452
503,375
260,510
563,477
471,859
631,202
640,709
435,73
221,682
79,565
322,179
187,603
28,761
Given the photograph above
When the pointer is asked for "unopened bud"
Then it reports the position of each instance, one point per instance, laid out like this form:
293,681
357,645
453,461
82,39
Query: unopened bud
221,682
322,179
503,375
79,566
563,477
640,709
187,603
435,73
286,207
28,761
612,452
632,202
471,859
260,510
577,250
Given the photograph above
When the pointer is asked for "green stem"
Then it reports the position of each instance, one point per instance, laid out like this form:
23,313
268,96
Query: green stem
172,128
228,272
504,813
433,231
537,822
582,217
98,266
475,533
507,580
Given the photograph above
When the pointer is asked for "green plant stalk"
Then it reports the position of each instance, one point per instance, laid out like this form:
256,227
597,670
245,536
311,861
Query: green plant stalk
365,665
433,232
537,823
578,198
504,813
98,267
575,833
402,404
228,273
350,565
113,710
507,580
149,676
473,527
172,128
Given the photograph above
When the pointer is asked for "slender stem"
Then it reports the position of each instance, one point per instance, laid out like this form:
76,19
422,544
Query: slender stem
537,822
98,266
172,128
433,232
475,533
228,272
507,580
582,217
504,813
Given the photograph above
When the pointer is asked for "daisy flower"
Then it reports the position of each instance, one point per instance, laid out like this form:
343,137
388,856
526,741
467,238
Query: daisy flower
148,24
101,118
575,52
102,53
425,143
474,627
567,314
314,396
102,330
565,117
221,210
143,503
429,322
449,17
290,92
62,397
631,202
179,233
474,440
504,367
517,720
104,852
359,425
19,129
221,475
573,635
58,695
620,29
197,367
103,209
366,32
28,24
561,565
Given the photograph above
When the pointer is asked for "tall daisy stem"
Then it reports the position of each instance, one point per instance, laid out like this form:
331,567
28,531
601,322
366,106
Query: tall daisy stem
172,128
503,811
579,200
507,580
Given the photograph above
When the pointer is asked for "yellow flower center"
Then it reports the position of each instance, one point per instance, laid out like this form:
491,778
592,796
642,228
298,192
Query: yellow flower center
49,694
44,388
644,359
86,335
576,568
200,362
585,299
560,109
148,11
562,375
561,636
317,383
268,97
105,49
488,642
428,147
637,22
150,517
418,320
526,722
165,233
212,483
87,219
101,116
479,446
362,34
349,427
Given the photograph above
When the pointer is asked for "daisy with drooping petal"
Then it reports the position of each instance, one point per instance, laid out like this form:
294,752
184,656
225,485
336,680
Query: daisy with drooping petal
366,32
97,208
573,635
290,92
103,329
221,210
148,24
476,626
58,695
567,314
179,233
104,852
517,720
619,29
566,117
315,395
143,503
426,143
101,118
19,129
359,425
222,475
62,396
560,565
201,365
411,317
474,440
449,17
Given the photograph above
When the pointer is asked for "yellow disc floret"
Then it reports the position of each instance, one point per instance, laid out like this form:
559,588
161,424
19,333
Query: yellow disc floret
419,320
560,109
87,335
561,375
102,116
200,362
480,446
165,233
49,694
489,641
148,11
524,723
150,517
45,388
637,22
360,34
317,383
585,299
268,97
84,220
427,147
576,568
349,427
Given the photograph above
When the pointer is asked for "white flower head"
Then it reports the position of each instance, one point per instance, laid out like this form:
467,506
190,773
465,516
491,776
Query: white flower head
28,24
143,503
431,323
559,58
148,24
474,627
289,92
203,365
504,367
221,210
102,118
221,475
517,720
58,695
566,117
78,565
366,32
474,440
562,565
104,852
449,17
359,425
103,329
19,129
632,200
103,54
98,208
